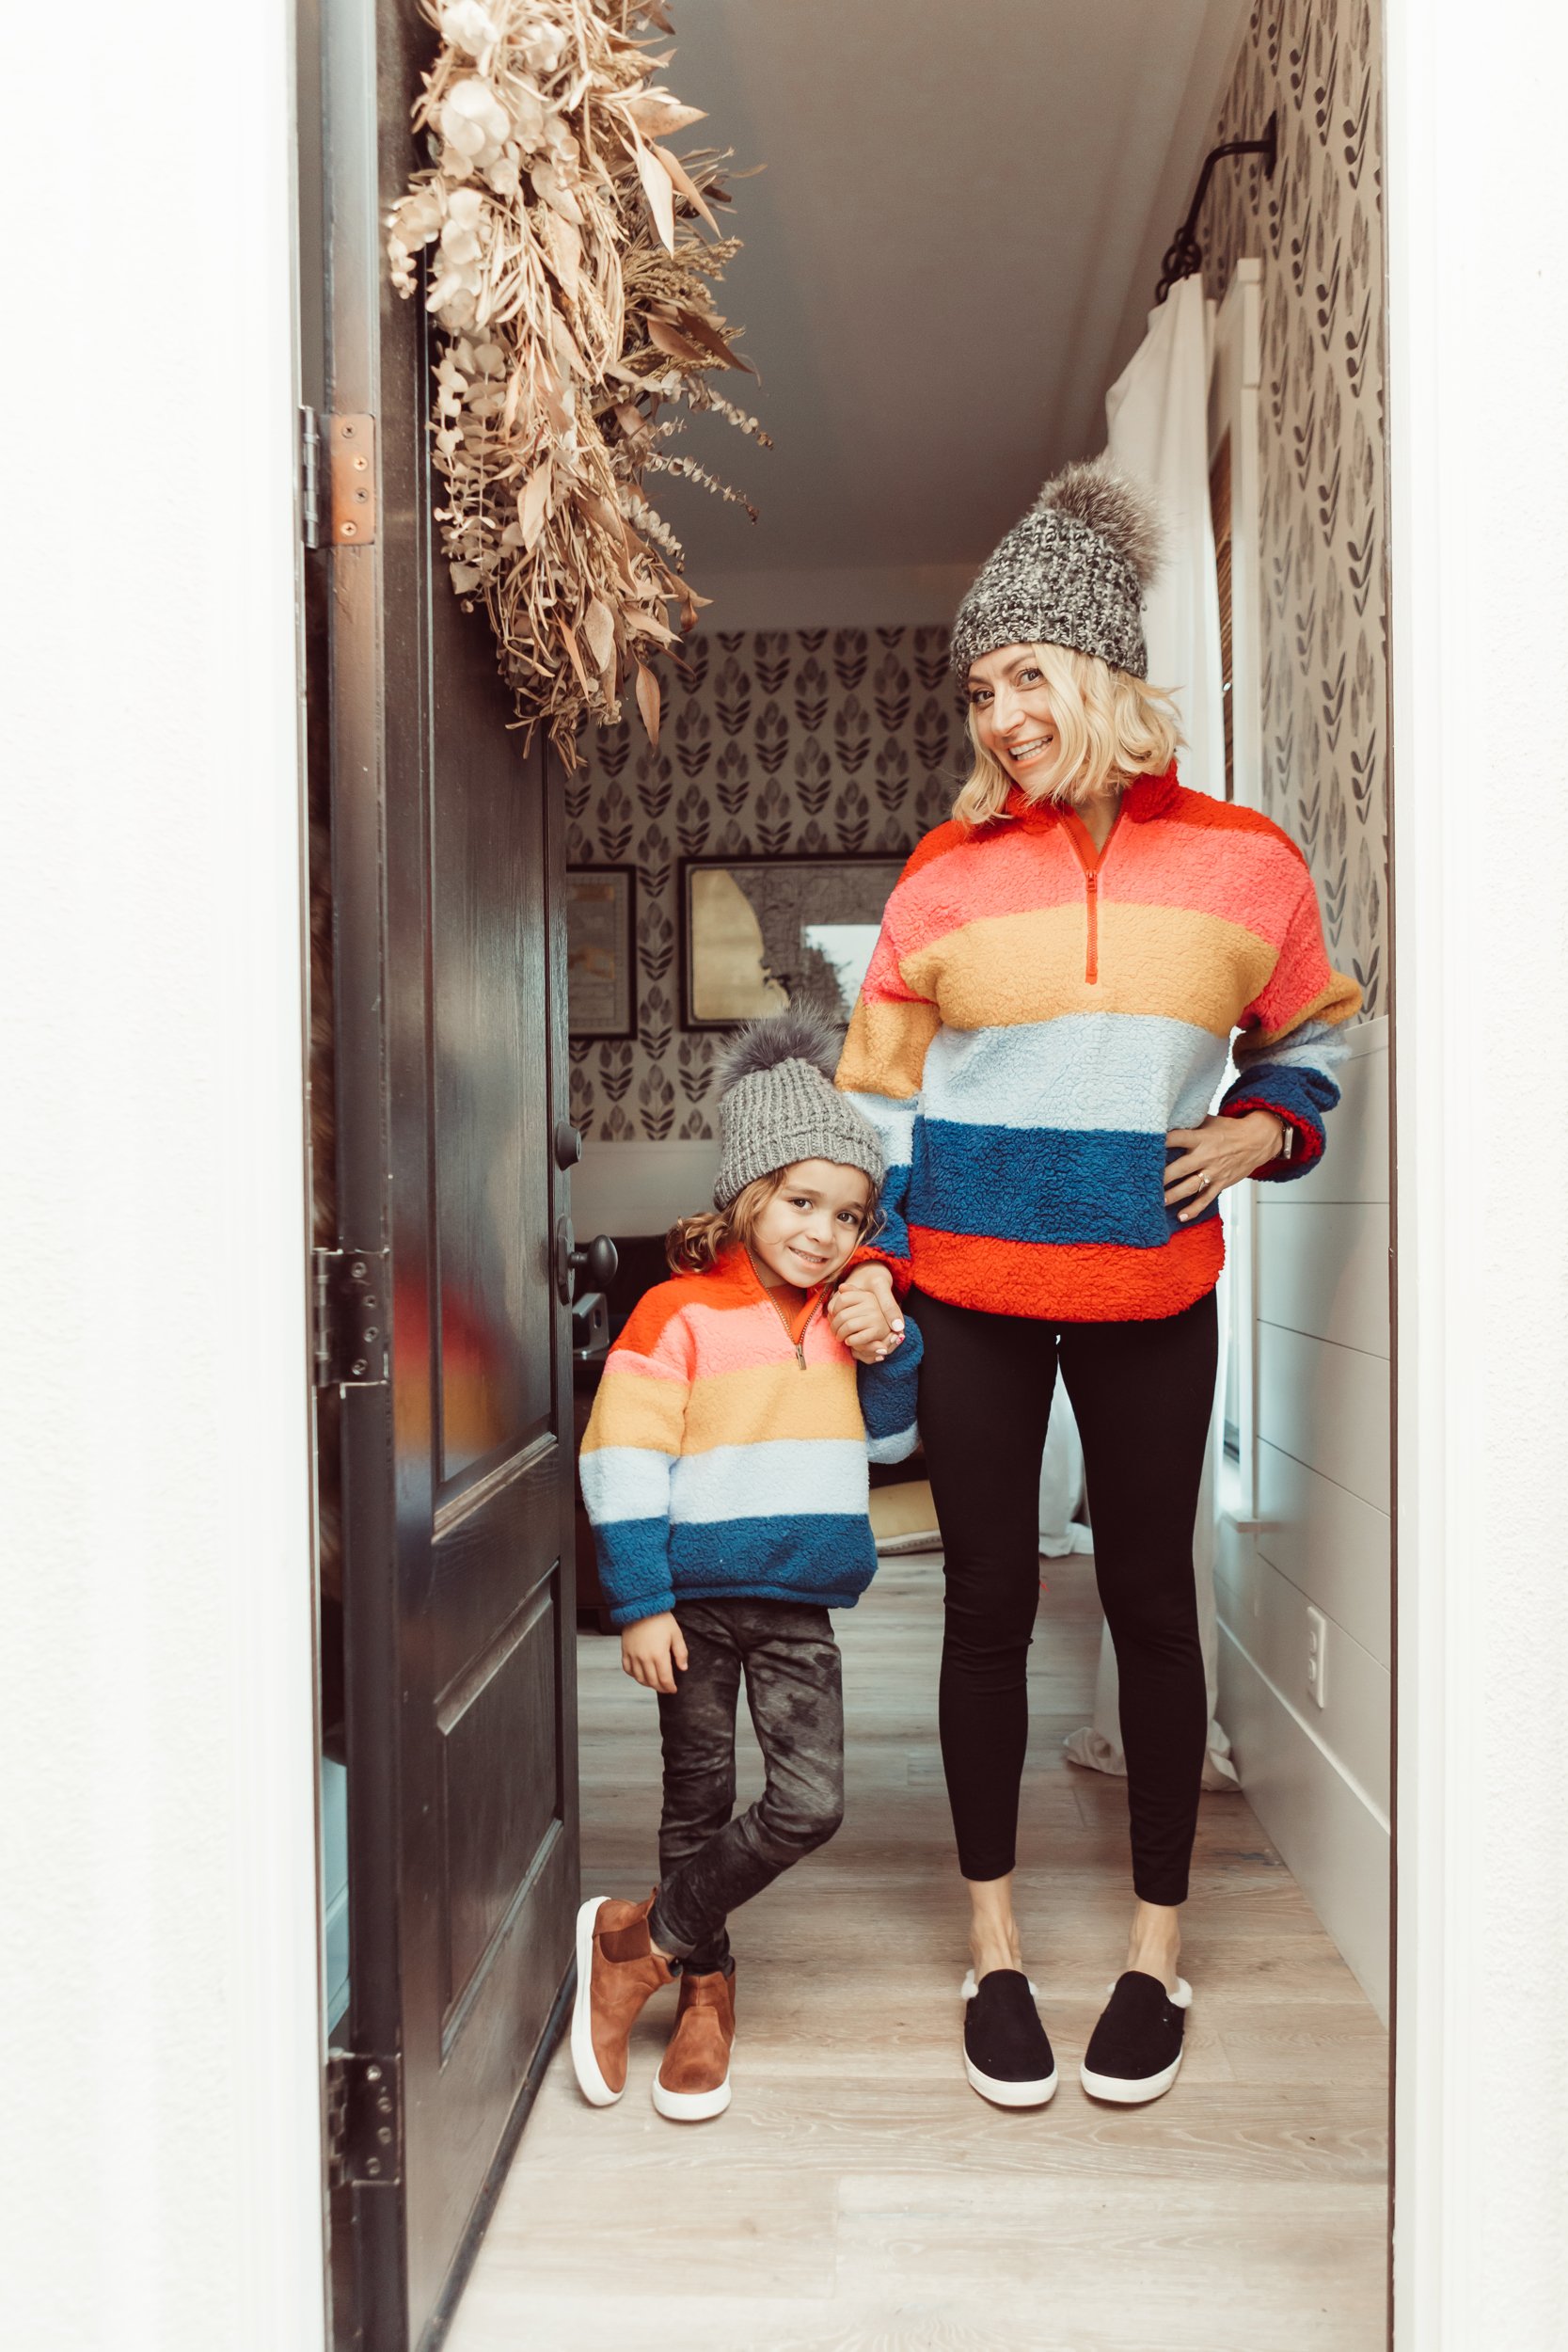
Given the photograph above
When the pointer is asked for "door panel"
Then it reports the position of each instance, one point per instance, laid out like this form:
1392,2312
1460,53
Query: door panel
488,975
448,843
495,1818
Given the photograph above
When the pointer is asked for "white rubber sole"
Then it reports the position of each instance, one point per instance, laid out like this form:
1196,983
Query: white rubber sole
1120,2090
584,2064
691,2106
1037,2093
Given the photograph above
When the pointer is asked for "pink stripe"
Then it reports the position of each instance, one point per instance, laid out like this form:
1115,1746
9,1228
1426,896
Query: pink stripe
1006,873
739,1339
1246,878
669,1360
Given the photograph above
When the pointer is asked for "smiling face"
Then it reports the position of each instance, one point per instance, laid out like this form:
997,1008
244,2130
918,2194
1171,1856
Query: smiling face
1009,706
809,1229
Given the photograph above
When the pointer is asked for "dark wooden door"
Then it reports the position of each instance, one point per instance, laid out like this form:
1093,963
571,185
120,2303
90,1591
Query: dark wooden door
450,1084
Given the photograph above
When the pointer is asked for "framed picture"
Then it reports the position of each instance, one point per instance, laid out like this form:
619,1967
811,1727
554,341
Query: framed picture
758,931
601,951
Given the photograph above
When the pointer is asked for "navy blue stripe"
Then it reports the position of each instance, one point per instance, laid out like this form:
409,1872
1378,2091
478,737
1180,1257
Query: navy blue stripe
889,1233
1297,1092
888,1393
634,1566
828,1559
1042,1184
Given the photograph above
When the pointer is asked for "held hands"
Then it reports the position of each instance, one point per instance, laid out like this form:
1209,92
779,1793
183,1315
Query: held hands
866,1316
651,1650
1219,1154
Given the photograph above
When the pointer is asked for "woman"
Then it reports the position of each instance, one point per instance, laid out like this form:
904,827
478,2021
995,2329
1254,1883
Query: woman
1044,1023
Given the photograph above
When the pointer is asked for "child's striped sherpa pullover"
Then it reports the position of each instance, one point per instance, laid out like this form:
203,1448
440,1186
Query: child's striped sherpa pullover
726,1453
1036,1017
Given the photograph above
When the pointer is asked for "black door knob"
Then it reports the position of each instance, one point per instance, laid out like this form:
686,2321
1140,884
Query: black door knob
599,1259
568,1144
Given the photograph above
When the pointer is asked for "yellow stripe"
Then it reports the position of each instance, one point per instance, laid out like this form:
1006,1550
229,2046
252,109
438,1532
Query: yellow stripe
772,1402
1007,969
885,1050
1333,1004
631,1409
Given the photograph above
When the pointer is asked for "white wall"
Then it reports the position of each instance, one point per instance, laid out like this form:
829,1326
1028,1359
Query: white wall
882,597
1319,1777
1479,436
160,2182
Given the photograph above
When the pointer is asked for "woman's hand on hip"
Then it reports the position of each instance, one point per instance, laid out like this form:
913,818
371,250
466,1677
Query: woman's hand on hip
1217,1154
865,1314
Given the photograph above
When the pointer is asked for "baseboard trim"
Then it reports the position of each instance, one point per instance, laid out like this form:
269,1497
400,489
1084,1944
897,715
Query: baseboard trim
1335,1841
1363,1796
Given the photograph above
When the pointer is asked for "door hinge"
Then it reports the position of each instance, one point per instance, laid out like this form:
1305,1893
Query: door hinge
364,2120
309,478
350,456
350,1339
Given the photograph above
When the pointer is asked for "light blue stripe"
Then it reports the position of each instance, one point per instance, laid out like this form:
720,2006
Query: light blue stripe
895,1449
790,1478
1107,1073
1316,1045
625,1482
893,1123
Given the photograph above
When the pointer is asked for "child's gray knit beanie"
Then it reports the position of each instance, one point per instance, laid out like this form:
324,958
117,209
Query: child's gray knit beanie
777,1103
1071,573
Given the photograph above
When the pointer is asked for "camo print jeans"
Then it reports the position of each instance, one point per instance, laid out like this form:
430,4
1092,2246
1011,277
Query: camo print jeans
709,1863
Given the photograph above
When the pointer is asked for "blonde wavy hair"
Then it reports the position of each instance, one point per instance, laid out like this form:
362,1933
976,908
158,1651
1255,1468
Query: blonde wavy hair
1108,723
694,1245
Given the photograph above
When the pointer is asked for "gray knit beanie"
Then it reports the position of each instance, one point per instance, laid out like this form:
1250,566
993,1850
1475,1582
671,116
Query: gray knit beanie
777,1103
1071,573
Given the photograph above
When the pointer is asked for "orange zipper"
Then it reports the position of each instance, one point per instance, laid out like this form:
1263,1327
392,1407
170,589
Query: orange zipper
797,1338
1091,859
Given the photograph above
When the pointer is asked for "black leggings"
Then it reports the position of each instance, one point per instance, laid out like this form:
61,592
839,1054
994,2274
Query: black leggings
1142,1393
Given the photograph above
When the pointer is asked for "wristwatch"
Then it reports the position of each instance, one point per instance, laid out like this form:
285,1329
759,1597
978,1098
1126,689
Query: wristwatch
1288,1147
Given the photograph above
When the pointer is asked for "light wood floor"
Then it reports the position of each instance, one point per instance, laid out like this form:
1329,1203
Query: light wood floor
858,2194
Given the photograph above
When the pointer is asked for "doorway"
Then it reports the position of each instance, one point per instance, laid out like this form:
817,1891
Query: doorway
860,643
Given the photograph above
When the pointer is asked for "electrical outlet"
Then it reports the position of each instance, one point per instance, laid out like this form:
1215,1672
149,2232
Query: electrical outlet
1317,1656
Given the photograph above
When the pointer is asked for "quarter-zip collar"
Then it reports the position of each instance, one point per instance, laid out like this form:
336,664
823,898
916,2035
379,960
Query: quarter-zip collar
1143,799
735,1264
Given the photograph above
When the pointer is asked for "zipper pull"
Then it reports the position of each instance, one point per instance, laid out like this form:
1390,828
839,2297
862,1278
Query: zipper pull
801,1353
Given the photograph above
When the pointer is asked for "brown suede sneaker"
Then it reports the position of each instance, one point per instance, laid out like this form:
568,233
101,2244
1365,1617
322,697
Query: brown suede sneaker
618,1971
693,2082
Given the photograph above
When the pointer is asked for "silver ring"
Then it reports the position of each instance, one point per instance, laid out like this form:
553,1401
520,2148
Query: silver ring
1203,1183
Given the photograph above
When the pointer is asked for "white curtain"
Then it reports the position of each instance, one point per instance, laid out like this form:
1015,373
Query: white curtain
1156,420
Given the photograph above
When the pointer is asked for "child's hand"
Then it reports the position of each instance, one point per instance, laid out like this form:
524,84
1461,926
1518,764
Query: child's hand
651,1650
865,1314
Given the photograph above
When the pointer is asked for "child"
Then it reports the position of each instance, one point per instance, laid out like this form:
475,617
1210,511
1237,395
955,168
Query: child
724,1472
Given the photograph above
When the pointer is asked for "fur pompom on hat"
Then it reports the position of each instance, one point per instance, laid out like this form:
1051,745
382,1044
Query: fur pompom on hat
1074,573
777,1103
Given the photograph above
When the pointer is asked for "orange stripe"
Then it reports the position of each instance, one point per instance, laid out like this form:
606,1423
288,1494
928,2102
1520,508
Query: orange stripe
1070,1282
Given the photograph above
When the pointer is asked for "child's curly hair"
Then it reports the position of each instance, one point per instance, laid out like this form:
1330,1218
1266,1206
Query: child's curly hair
694,1245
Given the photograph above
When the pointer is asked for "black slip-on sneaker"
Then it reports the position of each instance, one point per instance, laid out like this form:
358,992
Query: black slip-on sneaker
1007,2051
1134,2052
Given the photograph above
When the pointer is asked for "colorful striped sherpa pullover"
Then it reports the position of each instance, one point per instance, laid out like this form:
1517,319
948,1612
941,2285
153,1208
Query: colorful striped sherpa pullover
1035,1017
726,1453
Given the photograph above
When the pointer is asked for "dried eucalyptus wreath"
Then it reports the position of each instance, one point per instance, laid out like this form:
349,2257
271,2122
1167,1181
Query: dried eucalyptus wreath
573,299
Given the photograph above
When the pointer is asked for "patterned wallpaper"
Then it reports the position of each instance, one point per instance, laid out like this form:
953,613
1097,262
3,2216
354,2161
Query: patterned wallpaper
808,742
850,739
1318,227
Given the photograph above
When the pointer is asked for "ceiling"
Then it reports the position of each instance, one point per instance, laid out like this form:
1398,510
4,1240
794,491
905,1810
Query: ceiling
947,255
